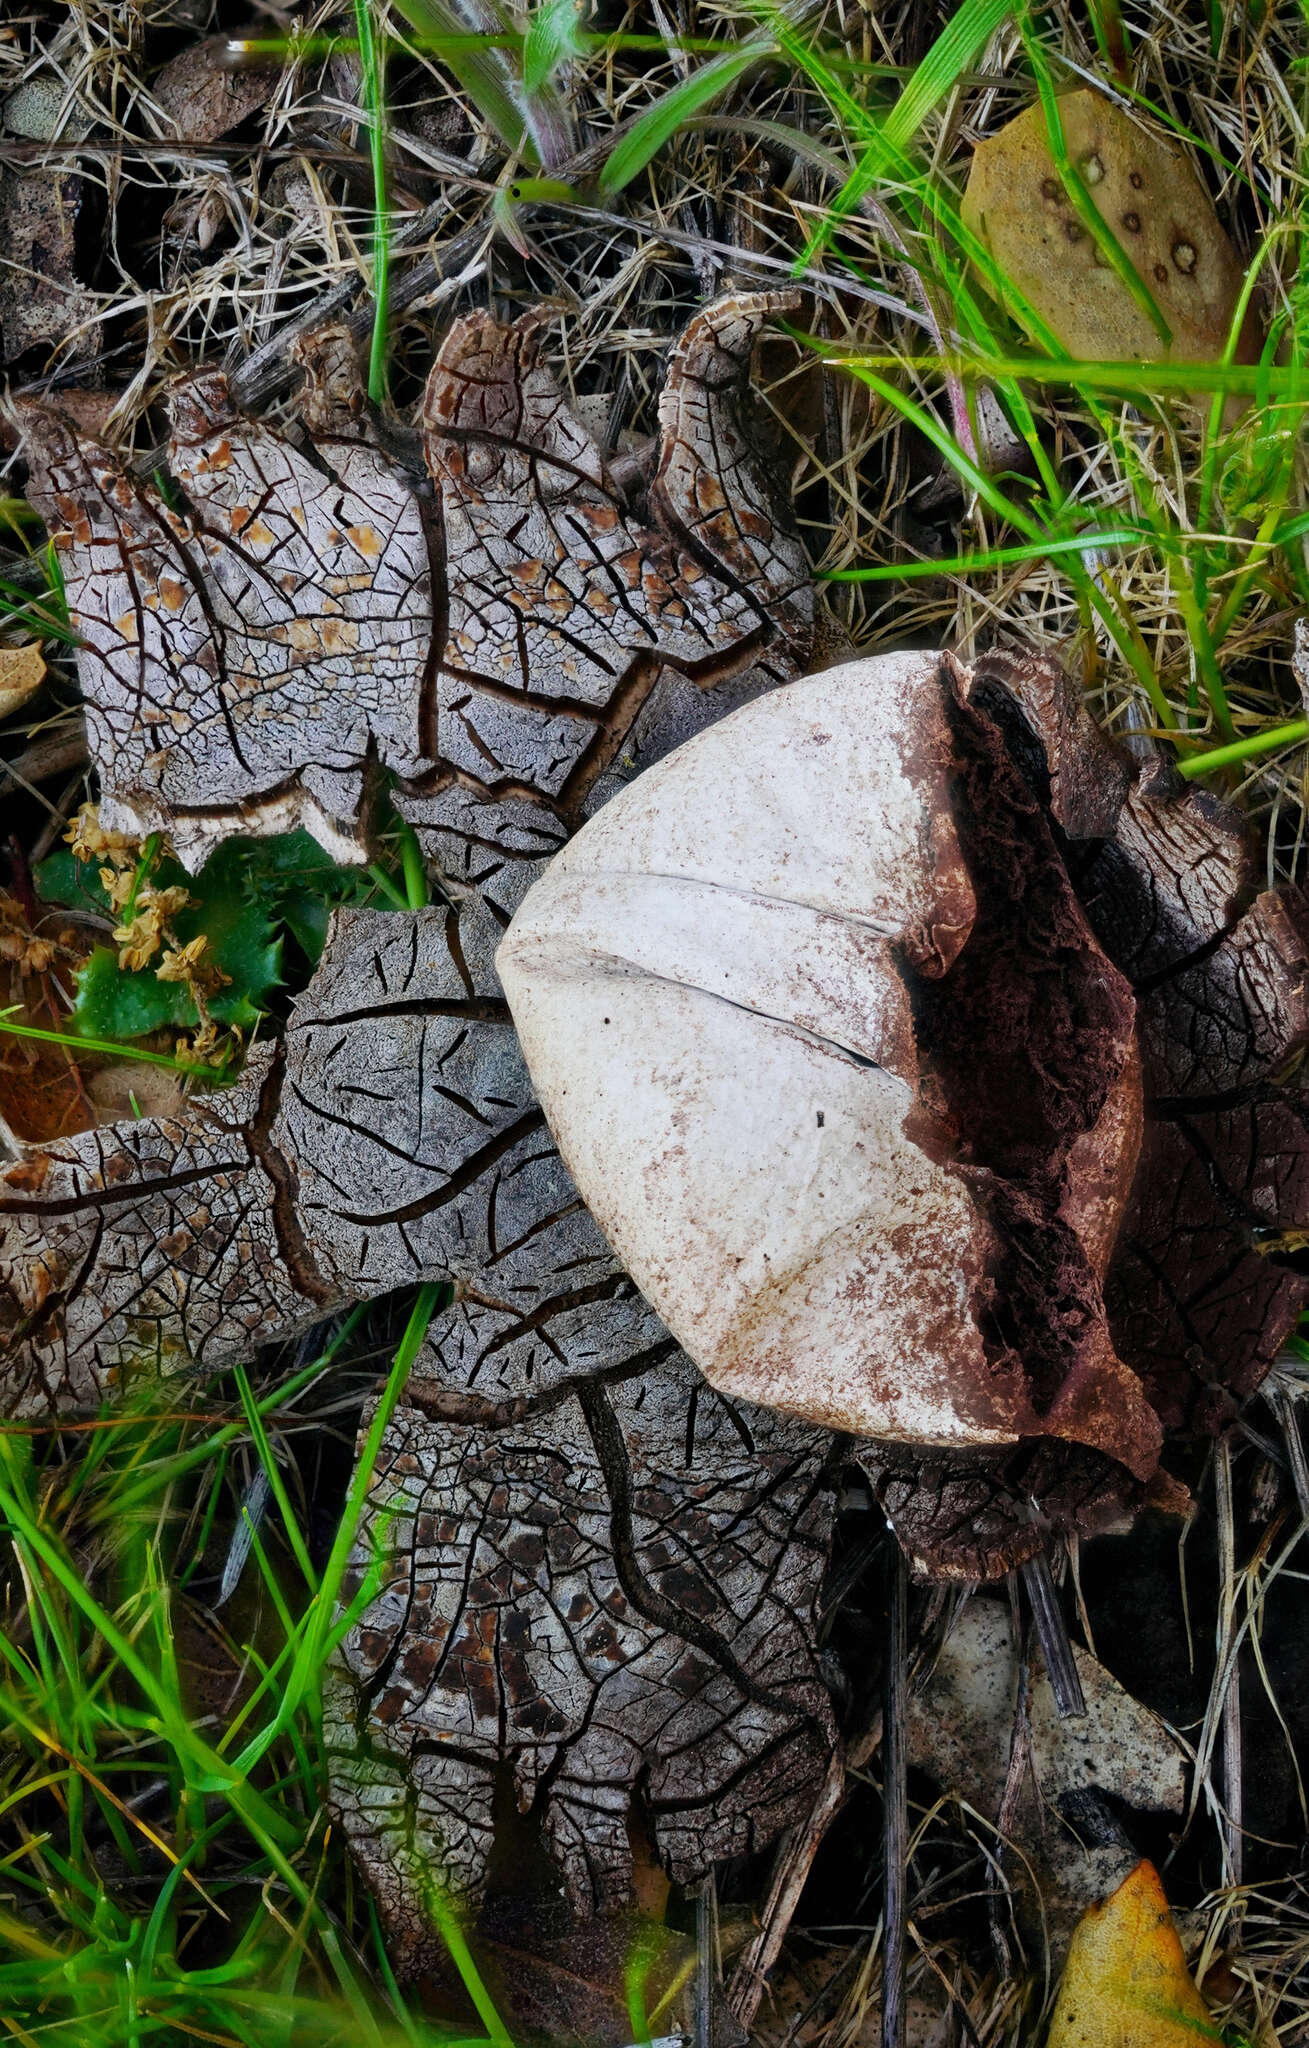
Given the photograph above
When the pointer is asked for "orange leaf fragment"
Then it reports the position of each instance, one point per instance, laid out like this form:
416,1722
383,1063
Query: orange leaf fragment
1148,195
22,672
1126,1984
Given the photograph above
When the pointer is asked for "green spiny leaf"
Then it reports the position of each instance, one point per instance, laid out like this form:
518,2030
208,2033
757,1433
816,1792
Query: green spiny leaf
247,895
554,37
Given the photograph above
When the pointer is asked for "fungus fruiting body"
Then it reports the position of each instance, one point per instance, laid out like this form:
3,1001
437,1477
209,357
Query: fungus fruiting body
921,1055
845,1024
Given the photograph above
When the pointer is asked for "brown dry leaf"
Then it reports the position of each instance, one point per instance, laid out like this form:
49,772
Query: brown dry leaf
22,672
1127,1984
206,95
42,1095
40,1098
42,299
1065,1825
1151,199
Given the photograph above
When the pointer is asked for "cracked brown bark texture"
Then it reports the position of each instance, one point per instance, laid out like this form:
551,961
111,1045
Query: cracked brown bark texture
604,1579
394,1137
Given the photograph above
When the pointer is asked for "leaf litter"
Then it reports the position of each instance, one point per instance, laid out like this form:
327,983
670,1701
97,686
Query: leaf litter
1033,590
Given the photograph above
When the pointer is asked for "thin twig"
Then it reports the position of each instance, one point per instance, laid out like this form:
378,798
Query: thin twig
55,753
1052,1632
895,1826
1229,1663
706,1963
1288,1419
794,1859
56,821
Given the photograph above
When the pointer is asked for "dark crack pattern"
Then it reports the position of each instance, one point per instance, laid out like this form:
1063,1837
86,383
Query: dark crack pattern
251,659
608,1588
597,1573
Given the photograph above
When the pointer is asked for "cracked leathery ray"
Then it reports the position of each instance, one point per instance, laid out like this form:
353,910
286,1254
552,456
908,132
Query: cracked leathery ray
599,1573
243,658
581,643
392,1136
593,1535
305,616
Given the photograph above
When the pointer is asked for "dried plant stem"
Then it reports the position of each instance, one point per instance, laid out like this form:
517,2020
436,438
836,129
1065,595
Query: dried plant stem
1052,1632
795,1857
895,1836
1229,1669
705,1993
1286,1411
270,369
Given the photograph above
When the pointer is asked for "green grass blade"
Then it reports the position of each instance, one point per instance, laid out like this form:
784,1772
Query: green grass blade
965,34
1247,749
661,121
273,1473
372,65
1087,211
554,38
479,69
114,1047
417,893
314,1643
984,558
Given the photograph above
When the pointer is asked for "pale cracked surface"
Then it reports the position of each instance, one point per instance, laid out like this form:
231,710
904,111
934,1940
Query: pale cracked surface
142,1244
607,1577
240,658
301,616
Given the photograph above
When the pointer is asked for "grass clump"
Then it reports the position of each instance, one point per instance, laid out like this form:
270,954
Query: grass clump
167,1866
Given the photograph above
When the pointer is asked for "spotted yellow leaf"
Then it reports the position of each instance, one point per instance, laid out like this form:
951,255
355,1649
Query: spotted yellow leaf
1188,276
1126,1984
22,672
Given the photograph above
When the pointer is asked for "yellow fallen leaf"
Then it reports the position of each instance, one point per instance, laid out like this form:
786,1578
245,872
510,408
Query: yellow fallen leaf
1158,210
1126,1984
22,672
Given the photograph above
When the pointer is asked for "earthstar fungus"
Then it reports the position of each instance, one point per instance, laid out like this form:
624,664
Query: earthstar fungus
878,1026
940,1111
